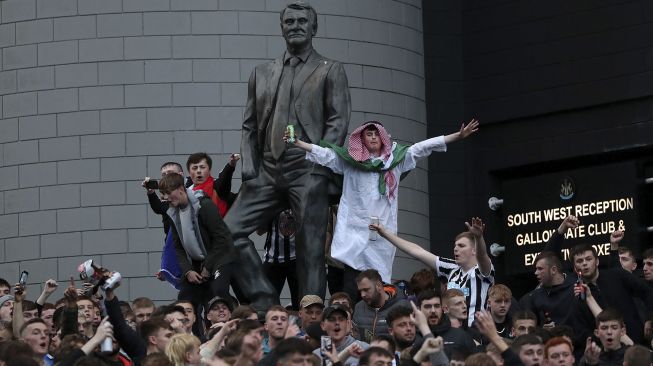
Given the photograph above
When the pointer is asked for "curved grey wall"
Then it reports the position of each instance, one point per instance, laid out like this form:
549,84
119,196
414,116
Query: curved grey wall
97,94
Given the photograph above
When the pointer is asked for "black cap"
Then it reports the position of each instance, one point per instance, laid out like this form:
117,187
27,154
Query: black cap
223,300
335,308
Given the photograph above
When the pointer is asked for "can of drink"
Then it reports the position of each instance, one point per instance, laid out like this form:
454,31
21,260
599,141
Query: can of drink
291,133
106,345
374,235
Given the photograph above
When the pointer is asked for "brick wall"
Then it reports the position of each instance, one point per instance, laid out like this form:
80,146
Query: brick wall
97,94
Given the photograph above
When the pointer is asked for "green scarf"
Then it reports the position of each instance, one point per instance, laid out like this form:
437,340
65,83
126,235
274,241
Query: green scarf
369,165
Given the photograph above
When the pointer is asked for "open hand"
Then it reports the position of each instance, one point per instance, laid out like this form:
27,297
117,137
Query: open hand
472,127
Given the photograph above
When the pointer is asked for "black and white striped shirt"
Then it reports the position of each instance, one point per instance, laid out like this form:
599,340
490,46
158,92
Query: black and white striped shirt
472,283
280,248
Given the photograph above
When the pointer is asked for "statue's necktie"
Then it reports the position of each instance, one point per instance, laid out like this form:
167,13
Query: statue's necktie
283,108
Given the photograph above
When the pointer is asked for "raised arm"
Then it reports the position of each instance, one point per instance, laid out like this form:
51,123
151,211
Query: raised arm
465,131
484,262
615,239
410,248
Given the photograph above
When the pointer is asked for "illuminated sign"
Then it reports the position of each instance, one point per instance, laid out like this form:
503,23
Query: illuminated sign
603,198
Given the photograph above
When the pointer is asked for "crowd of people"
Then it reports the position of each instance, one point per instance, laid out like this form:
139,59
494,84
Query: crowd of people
450,313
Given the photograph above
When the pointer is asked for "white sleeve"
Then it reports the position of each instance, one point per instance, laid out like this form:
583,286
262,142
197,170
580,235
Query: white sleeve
421,150
325,157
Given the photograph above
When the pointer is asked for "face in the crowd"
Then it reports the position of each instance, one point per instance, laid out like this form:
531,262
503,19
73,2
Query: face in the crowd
177,197
5,335
648,329
86,309
55,341
531,354
627,261
464,252
499,307
648,269
560,355
543,272
37,336
341,301
30,314
372,141
199,172
47,315
380,360
371,292
382,343
276,324
297,28
171,169
522,326
97,315
432,308
295,359
177,321
403,330
143,314
609,333
161,338
4,290
190,315
219,313
456,307
7,310
587,264
336,326
310,314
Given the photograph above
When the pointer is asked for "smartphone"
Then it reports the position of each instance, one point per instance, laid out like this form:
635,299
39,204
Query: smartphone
23,278
152,184
325,344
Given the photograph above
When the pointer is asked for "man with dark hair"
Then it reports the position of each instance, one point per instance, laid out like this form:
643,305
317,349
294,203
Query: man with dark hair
5,287
377,300
647,266
523,321
609,329
376,356
615,288
637,356
554,302
529,348
202,241
293,352
218,190
156,333
431,320
401,327
175,316
274,173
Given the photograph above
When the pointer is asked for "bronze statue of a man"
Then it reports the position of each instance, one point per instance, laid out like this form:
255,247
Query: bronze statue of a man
309,91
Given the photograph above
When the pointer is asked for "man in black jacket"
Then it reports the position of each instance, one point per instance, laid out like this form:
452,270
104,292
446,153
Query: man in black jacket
202,242
438,324
377,300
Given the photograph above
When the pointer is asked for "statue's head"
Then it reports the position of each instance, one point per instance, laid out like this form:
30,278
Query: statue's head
298,24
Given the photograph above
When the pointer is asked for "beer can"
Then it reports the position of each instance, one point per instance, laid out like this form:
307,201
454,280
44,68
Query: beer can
291,133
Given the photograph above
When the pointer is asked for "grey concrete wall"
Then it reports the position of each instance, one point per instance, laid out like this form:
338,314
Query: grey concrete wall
97,94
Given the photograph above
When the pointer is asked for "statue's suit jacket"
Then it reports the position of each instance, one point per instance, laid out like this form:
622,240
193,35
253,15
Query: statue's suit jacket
321,101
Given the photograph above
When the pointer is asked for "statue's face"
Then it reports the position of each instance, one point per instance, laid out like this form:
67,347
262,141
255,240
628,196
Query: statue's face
296,27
